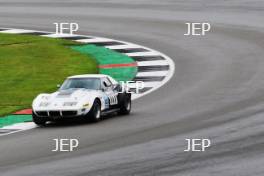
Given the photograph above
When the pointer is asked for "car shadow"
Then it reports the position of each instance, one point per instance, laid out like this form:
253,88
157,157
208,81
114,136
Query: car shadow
79,121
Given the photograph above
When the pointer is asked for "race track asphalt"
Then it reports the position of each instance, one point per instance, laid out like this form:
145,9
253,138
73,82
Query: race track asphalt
217,92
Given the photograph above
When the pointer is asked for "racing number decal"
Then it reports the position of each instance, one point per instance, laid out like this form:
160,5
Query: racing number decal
106,83
113,99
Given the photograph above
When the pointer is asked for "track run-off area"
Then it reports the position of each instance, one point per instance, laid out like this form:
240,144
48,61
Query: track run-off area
216,92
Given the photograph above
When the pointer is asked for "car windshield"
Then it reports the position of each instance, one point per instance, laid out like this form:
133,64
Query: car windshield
77,83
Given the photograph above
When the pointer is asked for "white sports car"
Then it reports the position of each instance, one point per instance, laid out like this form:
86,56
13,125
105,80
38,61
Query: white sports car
88,96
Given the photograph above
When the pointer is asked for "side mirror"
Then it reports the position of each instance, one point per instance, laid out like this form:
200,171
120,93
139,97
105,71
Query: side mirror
116,87
58,85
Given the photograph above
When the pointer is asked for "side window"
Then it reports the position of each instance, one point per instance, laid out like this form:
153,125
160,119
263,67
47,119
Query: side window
110,82
106,83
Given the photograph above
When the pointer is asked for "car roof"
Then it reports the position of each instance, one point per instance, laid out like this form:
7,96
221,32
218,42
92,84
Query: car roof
89,76
94,76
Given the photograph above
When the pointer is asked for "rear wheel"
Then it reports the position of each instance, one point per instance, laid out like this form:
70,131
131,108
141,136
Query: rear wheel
38,120
125,106
95,112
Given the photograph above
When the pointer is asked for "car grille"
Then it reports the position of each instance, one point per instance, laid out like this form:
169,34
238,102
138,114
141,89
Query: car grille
42,113
69,113
54,113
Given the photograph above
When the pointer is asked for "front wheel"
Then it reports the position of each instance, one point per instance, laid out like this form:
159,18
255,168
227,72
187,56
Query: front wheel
38,120
125,107
95,112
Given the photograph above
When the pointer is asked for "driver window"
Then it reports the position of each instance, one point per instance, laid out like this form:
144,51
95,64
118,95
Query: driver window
106,84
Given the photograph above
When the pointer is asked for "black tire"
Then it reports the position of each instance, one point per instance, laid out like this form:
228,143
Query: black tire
95,113
38,120
125,106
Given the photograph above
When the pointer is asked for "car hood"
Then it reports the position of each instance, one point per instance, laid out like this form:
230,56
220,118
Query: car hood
71,97
70,93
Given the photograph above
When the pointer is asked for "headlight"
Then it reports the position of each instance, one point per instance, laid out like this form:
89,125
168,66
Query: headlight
70,104
86,105
44,104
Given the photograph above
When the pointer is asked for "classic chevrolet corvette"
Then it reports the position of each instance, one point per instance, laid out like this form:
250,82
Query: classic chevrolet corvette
86,96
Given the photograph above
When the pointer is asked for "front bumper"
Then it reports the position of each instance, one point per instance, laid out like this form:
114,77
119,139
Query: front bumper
58,114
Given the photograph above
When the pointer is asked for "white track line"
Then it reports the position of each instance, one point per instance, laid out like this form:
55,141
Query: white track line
122,46
152,63
94,40
58,35
16,31
19,126
147,53
154,73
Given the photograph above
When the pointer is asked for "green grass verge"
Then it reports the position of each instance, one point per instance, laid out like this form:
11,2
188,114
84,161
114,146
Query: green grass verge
30,65
106,56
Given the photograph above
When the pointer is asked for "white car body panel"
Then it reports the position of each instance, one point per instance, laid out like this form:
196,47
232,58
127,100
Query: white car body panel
80,100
